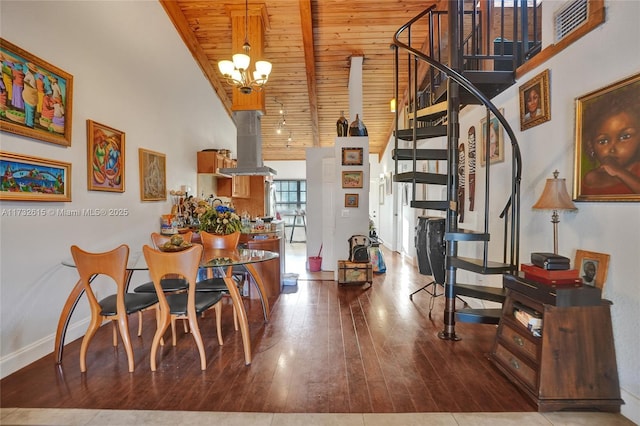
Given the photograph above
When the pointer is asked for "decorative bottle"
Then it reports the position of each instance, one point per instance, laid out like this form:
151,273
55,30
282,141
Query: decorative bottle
342,125
357,128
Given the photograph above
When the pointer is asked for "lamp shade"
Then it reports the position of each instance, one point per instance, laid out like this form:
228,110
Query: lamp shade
226,67
263,68
555,196
241,61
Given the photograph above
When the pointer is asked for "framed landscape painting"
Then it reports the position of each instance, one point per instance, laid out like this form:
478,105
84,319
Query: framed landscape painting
26,178
35,96
352,156
352,179
153,175
105,158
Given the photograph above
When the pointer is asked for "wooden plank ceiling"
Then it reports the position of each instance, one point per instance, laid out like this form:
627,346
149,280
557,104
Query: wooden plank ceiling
309,43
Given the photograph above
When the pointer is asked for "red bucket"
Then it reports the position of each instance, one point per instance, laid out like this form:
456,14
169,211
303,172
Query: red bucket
315,263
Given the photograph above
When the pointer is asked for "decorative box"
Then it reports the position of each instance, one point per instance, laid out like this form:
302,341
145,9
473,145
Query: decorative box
354,273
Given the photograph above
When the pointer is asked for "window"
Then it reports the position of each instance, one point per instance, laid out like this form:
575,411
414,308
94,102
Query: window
291,195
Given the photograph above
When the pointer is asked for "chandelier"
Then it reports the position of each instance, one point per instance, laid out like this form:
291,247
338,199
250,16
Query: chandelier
236,72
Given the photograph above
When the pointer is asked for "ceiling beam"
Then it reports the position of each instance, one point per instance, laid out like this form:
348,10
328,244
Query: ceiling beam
176,15
306,21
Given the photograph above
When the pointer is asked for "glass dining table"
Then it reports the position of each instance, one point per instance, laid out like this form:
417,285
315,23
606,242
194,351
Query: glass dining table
224,259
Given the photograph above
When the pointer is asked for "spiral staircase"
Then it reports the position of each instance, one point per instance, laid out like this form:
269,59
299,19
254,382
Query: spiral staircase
457,66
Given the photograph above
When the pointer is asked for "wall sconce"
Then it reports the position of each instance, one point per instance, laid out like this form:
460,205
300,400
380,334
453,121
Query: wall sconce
392,105
555,197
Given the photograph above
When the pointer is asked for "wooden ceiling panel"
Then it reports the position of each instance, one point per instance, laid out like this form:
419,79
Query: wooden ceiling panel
340,30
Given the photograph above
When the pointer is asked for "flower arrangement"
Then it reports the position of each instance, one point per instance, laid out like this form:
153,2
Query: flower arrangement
218,219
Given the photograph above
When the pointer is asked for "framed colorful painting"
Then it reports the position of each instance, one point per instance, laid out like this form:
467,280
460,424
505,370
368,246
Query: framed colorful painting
351,200
105,158
35,96
494,134
153,175
607,153
26,178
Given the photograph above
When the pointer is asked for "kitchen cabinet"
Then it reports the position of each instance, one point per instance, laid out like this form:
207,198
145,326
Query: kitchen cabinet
564,358
210,161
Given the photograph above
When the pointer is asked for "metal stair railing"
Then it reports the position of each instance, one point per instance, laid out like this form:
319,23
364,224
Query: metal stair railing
416,56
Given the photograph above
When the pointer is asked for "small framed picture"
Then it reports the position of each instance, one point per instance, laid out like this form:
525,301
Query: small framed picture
105,158
352,179
153,175
593,267
352,156
351,200
494,134
534,101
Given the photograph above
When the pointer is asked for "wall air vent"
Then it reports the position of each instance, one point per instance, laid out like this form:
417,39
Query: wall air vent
570,17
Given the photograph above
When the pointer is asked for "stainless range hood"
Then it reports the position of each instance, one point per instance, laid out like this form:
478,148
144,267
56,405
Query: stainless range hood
249,146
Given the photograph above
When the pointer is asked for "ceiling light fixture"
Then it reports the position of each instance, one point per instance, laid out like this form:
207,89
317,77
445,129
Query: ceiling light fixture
281,125
236,72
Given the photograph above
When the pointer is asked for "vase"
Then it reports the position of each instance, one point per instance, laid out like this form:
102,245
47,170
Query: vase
357,128
342,126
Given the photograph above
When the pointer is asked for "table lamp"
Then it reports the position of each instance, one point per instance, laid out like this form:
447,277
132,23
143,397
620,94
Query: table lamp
555,197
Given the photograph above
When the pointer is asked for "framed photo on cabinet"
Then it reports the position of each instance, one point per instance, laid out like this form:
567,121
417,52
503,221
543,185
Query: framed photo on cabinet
593,267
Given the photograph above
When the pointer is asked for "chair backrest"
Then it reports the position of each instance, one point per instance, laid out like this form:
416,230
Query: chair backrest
111,263
159,239
216,241
184,263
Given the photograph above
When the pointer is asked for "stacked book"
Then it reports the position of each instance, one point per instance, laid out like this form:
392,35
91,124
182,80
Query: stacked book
529,318
566,277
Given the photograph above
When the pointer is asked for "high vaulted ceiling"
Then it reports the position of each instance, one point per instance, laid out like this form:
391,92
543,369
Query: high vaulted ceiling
309,43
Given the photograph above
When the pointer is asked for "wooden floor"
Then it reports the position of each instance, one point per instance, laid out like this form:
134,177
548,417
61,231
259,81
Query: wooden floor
326,349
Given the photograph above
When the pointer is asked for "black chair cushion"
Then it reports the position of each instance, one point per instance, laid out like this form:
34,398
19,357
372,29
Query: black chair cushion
133,302
211,284
169,285
205,300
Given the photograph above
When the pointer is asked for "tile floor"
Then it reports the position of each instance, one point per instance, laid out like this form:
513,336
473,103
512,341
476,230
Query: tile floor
60,417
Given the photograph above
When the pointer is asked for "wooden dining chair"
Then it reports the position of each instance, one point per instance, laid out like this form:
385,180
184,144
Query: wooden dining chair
188,304
170,284
115,307
213,283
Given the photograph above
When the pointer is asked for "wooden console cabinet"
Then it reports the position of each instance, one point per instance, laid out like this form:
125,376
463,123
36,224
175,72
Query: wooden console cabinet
572,364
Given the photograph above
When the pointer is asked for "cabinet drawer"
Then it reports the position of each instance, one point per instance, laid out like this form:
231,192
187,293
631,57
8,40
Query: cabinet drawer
517,366
516,338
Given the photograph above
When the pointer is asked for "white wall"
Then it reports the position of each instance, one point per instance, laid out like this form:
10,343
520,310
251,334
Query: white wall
132,72
606,55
